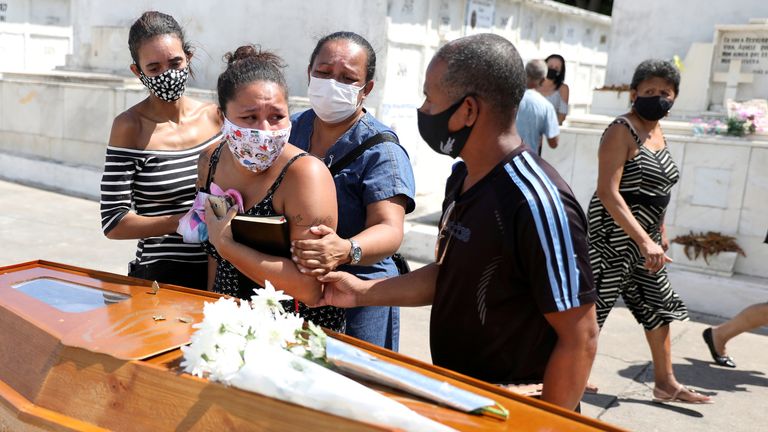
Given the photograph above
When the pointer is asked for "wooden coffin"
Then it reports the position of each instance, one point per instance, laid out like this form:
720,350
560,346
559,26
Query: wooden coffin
114,365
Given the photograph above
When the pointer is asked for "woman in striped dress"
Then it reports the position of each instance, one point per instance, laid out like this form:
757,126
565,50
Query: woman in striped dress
151,160
626,221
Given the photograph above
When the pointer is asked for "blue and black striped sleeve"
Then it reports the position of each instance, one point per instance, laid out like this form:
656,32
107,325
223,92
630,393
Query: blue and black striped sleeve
551,232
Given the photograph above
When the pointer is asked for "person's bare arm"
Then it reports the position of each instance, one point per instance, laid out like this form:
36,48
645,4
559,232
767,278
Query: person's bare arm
612,155
211,273
565,93
553,141
133,226
571,361
308,193
381,238
126,129
416,288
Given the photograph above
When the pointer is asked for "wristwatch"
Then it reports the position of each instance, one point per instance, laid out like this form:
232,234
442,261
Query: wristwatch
355,252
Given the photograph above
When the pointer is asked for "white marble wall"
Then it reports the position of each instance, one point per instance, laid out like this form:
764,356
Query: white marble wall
723,185
61,121
417,28
664,28
290,28
66,118
404,33
32,47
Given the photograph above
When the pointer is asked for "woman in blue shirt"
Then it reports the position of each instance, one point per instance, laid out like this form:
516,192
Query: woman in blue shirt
374,192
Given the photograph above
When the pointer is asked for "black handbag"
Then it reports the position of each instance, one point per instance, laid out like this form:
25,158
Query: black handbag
400,262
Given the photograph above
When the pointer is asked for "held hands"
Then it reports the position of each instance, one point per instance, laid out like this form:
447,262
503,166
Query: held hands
341,289
320,256
219,229
654,255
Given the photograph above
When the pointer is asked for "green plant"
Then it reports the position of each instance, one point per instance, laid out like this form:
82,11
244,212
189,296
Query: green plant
707,244
737,126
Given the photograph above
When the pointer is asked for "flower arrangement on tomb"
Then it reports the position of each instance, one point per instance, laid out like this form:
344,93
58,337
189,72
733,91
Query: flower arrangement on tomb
707,244
258,346
743,119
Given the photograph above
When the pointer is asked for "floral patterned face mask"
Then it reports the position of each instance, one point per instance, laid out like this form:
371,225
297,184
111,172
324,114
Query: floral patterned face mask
169,85
255,149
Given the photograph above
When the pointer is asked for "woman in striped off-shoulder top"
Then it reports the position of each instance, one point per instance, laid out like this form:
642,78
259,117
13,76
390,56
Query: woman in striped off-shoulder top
151,160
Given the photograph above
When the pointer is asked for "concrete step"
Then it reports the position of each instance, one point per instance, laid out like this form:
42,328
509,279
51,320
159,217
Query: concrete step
74,180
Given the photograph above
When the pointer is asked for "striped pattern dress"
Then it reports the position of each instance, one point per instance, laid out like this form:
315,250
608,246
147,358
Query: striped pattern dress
152,183
617,263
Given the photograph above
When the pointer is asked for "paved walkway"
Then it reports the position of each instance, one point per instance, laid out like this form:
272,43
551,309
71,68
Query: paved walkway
36,224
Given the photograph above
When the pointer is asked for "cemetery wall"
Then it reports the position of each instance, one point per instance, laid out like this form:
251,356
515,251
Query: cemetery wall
663,28
405,34
722,187
54,126
537,29
34,35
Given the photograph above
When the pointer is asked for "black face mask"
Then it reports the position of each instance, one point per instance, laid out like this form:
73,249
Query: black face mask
552,74
433,128
652,108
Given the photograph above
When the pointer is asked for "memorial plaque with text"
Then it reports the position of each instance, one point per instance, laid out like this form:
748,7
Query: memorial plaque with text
749,47
748,44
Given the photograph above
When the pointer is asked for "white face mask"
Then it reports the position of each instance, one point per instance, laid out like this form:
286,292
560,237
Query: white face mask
255,149
331,100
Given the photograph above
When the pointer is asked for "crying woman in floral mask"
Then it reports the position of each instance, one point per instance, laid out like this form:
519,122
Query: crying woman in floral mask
272,177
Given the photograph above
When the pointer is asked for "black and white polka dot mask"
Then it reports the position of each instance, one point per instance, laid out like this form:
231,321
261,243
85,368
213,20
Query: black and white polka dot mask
169,85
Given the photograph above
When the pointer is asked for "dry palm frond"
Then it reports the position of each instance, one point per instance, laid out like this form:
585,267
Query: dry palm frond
707,244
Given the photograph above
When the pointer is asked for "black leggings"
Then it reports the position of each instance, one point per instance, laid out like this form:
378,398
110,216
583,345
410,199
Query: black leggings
191,275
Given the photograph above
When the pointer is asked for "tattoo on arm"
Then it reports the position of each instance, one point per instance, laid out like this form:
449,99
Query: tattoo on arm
298,220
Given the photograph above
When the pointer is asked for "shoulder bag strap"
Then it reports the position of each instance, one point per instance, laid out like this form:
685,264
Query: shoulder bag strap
212,166
400,262
359,150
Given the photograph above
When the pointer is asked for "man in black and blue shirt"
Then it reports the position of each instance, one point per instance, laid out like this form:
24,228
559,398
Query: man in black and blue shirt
511,289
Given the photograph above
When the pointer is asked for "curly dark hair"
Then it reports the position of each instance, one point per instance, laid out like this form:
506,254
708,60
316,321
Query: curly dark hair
247,64
656,68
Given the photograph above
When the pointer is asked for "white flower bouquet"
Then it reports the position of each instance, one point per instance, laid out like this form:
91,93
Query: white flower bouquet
259,347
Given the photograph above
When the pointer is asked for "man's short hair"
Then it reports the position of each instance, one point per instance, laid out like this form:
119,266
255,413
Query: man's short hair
536,70
485,65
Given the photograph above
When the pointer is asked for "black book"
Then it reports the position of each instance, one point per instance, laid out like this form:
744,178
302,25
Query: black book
266,234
